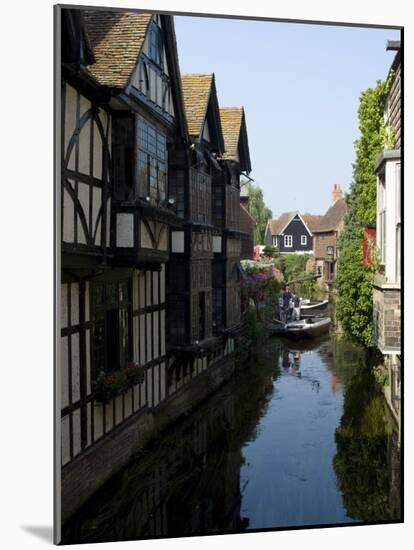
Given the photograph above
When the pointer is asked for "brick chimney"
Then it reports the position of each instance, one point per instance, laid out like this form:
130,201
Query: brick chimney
336,193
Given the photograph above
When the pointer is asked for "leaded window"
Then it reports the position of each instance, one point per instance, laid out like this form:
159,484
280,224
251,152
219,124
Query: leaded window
111,325
155,44
152,162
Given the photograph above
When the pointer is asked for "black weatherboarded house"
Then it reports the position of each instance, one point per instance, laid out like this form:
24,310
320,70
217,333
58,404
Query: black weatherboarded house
292,232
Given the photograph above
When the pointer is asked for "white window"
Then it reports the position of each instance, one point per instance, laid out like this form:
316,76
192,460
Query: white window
274,240
288,241
303,239
381,205
398,221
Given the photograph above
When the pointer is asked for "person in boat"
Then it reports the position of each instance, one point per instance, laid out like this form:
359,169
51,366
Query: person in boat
287,309
296,307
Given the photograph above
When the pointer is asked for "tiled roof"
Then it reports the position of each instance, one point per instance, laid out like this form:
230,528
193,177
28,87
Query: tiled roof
231,120
279,223
312,221
196,93
116,39
276,226
333,217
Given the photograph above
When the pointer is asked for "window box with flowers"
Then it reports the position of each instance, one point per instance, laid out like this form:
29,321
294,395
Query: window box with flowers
110,385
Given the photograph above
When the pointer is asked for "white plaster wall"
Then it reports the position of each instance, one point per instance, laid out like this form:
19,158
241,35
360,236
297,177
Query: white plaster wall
76,420
70,120
85,148
163,242
162,284
155,279
149,333
65,440
96,205
142,339
64,371
162,321
177,241
88,361
63,306
75,368
83,197
74,313
216,243
156,335
68,218
125,230
97,152
145,237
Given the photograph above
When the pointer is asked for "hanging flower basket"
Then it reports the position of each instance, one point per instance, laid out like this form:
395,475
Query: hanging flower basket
108,386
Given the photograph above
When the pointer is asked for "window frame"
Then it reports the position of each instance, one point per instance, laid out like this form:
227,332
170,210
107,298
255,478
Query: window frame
108,304
303,240
288,239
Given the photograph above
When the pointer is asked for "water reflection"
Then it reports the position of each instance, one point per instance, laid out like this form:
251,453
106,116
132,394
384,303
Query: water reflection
281,445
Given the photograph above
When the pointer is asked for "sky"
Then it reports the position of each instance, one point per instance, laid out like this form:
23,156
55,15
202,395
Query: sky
299,85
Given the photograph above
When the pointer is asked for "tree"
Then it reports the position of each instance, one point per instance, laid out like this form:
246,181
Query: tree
258,210
354,281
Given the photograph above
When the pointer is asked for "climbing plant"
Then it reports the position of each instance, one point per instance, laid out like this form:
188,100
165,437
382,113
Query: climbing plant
354,281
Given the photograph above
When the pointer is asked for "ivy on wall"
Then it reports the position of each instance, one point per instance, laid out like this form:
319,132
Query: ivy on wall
354,281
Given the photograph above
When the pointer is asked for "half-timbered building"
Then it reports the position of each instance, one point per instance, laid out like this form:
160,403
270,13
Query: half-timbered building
149,206
121,112
227,208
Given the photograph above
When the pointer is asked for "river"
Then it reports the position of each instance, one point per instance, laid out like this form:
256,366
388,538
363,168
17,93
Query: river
299,436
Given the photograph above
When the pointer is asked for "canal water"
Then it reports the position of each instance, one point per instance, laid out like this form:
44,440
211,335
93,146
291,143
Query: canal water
299,436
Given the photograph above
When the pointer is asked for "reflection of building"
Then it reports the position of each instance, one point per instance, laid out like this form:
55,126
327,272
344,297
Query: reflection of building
387,304
326,236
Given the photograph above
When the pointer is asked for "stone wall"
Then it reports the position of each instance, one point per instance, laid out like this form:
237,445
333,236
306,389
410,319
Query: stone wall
387,318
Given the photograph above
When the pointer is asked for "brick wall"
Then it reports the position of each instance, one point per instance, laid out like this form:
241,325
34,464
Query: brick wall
387,319
320,243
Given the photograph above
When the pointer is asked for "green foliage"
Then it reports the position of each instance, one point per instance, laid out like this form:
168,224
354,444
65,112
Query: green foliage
363,441
258,210
270,252
354,281
373,138
294,266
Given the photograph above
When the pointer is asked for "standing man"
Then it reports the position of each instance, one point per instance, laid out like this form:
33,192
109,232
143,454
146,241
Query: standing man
296,305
